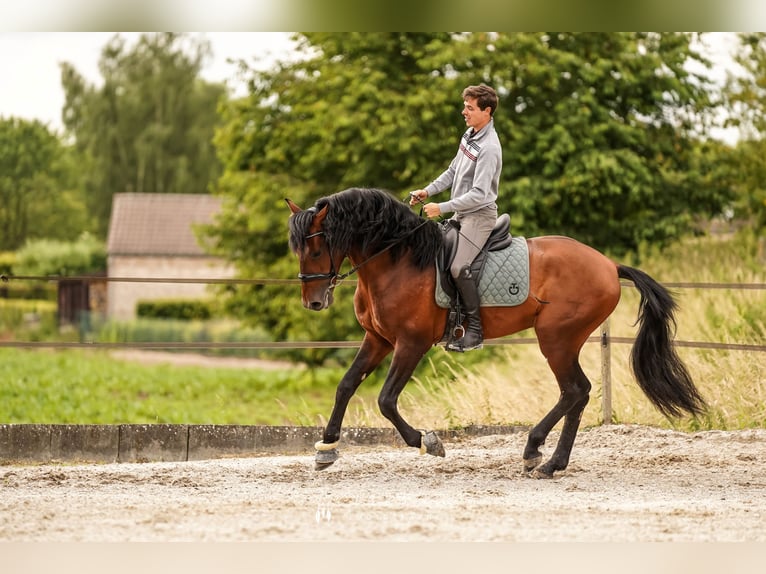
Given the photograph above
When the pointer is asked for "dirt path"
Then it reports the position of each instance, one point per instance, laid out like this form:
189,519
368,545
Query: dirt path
625,483
199,360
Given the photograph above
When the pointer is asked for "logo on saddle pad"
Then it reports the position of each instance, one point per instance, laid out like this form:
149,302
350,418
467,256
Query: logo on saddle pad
504,279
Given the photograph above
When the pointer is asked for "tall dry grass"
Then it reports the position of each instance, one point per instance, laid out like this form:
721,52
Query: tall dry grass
517,387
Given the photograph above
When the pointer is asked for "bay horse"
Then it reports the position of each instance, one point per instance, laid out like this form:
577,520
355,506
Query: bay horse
573,288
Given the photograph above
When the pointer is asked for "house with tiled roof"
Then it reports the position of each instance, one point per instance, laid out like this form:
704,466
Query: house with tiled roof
152,235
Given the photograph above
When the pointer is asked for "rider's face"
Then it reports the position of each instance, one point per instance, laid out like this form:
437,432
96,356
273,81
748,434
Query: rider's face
475,117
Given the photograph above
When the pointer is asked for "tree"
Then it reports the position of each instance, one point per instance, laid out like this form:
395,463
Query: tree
36,194
311,128
746,102
149,128
600,131
345,117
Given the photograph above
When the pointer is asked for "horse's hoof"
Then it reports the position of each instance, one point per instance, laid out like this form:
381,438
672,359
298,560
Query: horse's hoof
539,473
325,458
531,463
432,444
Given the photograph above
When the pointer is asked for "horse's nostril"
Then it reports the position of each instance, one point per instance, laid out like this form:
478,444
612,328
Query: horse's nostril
316,306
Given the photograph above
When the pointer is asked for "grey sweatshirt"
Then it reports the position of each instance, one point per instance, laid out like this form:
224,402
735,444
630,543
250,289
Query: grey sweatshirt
473,175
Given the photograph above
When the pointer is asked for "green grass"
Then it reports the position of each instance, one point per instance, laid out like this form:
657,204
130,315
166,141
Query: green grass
81,387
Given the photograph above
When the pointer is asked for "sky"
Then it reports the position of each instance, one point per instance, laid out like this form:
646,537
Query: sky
30,78
30,81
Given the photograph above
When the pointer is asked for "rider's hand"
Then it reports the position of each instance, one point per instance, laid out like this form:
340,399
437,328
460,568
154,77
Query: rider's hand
432,210
417,196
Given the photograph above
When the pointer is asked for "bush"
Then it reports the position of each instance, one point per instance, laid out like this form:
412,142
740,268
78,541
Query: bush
22,289
23,320
7,259
152,330
182,309
44,257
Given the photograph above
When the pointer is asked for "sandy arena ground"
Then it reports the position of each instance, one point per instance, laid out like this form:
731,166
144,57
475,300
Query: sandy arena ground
625,483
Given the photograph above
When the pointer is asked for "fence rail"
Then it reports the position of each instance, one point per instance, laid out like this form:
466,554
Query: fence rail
278,281
156,345
605,339
104,279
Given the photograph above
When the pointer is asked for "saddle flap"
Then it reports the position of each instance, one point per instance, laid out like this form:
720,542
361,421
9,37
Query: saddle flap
499,239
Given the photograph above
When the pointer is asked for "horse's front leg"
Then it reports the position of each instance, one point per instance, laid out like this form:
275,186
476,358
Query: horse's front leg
406,358
372,351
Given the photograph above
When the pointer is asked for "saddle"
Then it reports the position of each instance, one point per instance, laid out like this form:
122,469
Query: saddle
499,239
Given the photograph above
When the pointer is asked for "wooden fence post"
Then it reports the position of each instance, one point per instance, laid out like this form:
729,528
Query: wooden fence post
606,374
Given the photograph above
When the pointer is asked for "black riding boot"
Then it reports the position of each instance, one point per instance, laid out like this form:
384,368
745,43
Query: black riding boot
469,293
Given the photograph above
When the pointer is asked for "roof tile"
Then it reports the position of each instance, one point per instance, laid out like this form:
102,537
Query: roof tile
159,223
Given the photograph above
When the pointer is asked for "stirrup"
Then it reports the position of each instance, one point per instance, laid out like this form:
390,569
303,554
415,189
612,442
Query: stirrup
458,345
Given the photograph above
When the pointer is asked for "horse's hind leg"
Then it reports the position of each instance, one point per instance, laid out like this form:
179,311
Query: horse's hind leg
562,328
575,392
579,392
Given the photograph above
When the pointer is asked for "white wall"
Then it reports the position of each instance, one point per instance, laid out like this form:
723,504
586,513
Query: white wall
122,297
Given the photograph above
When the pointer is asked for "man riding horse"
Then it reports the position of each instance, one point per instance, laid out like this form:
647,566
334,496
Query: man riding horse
473,177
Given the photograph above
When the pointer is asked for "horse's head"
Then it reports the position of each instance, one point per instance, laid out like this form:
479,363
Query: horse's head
318,265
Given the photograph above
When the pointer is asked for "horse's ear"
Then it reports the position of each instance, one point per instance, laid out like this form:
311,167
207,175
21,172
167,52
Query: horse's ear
294,208
319,217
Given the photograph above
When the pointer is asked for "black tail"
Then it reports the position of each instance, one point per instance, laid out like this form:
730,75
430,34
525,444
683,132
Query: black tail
659,370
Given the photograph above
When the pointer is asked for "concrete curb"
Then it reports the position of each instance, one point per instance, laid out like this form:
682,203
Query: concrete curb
41,443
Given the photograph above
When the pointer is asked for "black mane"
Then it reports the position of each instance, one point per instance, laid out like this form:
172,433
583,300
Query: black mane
371,220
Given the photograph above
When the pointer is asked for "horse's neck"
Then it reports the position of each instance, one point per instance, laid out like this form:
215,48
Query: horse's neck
384,278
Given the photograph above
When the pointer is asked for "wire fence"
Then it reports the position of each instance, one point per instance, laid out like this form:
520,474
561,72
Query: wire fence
323,344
